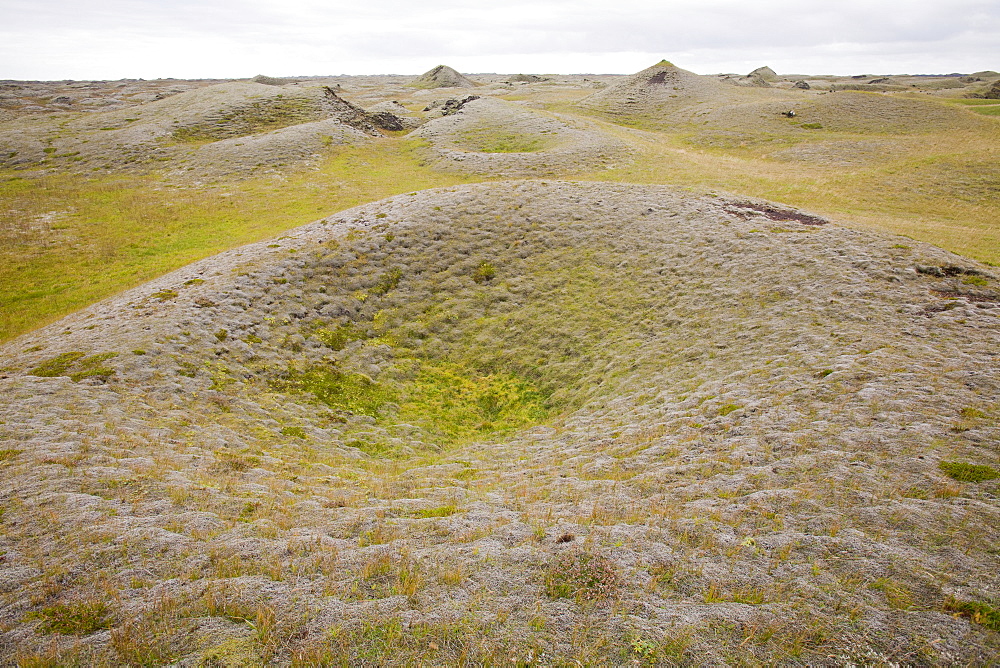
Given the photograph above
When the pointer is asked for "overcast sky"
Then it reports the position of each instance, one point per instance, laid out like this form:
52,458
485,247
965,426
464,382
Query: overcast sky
76,39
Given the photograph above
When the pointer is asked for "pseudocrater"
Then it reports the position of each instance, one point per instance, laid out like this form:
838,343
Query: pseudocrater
490,385
441,318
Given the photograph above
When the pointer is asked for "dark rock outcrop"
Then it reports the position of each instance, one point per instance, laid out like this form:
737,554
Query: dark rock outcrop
358,118
452,106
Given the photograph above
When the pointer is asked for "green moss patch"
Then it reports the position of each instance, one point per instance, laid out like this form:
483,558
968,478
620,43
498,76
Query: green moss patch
484,272
262,116
981,613
78,618
499,140
966,472
76,365
455,403
346,391
57,366
339,337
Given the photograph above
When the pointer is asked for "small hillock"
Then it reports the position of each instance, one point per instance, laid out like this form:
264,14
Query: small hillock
442,76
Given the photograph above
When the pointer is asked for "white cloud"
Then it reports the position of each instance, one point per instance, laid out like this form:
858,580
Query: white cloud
234,38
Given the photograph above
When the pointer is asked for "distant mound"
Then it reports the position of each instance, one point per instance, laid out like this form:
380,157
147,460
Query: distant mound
497,137
269,81
132,137
665,96
764,73
525,78
442,76
662,87
868,113
286,125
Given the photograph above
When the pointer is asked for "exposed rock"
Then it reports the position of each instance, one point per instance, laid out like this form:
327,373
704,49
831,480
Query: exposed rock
353,115
993,92
387,121
392,115
804,85
451,106
454,106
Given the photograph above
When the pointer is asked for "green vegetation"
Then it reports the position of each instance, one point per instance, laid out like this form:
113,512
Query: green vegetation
76,365
984,614
440,511
451,402
455,404
57,366
484,272
165,294
338,338
262,116
972,101
118,231
965,472
583,576
78,618
345,391
488,139
387,281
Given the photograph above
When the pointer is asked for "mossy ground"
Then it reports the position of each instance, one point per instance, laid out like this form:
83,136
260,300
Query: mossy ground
500,140
659,433
541,425
110,233
942,190
68,239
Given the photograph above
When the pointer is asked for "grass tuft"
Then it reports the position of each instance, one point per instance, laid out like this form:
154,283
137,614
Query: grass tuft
984,614
78,618
965,472
582,575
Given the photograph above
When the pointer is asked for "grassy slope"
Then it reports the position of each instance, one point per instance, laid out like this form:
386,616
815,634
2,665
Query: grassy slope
943,189
111,233
117,232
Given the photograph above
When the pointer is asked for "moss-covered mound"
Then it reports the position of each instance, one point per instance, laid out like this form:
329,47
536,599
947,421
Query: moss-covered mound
596,423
